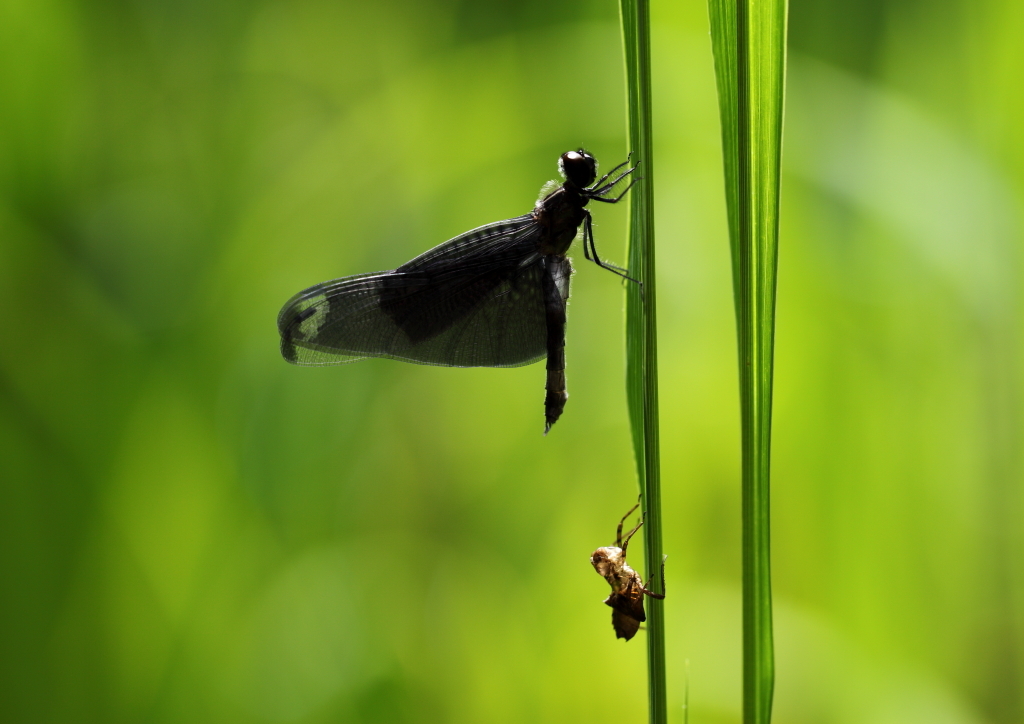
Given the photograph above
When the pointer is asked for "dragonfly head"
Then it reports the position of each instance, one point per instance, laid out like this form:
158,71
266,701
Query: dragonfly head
578,167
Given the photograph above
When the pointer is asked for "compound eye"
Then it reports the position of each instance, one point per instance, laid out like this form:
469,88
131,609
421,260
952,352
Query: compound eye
578,167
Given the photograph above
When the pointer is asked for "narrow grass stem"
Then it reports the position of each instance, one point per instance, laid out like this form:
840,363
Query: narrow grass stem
641,334
749,42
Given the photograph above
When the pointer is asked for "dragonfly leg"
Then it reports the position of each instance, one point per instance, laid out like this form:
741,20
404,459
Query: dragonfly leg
605,177
652,594
625,543
586,240
618,198
597,191
618,531
588,233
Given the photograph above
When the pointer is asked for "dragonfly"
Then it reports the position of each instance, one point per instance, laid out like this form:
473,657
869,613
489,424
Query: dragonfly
494,296
628,589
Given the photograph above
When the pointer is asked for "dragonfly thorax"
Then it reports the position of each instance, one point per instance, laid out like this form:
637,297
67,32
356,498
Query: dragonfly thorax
559,216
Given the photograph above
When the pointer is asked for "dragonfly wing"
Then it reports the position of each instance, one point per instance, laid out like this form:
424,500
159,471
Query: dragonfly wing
474,301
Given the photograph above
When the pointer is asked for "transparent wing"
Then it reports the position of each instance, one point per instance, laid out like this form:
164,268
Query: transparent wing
473,301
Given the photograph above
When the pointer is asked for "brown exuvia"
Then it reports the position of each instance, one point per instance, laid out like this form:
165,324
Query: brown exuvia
628,589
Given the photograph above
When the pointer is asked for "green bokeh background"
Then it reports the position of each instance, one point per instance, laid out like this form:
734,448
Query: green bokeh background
192,530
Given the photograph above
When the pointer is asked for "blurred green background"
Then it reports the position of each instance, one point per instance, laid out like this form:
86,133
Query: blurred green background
194,530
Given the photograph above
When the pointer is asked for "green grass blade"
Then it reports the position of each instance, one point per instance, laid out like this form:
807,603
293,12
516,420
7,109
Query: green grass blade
641,335
749,42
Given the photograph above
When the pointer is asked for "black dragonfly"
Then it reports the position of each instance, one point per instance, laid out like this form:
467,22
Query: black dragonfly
491,297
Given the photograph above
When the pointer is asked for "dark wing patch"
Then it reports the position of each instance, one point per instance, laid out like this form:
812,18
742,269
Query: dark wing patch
474,301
